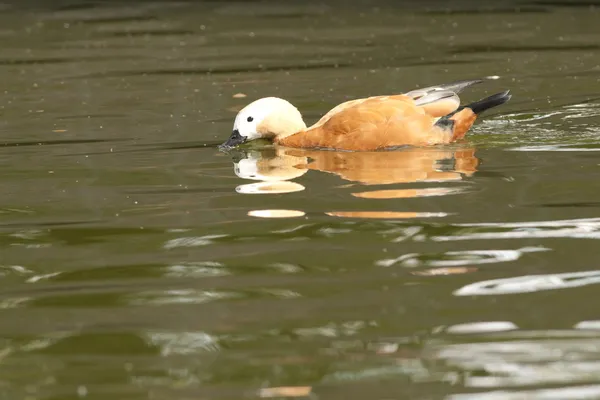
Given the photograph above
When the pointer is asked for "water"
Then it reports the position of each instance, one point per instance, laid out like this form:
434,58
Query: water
139,262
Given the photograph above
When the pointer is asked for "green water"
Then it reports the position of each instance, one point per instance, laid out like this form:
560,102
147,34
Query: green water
139,262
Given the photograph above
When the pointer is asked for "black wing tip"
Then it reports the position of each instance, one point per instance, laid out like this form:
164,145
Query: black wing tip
489,102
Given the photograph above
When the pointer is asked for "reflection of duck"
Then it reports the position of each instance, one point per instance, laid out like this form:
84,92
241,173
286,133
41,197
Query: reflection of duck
369,168
268,164
388,167
418,118
272,169
276,166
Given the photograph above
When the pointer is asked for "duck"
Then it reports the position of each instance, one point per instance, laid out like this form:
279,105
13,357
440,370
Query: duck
421,117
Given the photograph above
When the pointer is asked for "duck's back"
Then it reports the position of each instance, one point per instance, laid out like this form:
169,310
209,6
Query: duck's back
375,123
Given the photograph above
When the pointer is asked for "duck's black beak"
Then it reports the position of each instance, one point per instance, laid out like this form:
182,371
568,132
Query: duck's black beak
234,140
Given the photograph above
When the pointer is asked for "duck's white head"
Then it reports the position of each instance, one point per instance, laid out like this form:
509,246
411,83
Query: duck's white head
269,118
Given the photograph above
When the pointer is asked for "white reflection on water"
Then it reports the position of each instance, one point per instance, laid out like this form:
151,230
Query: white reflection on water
554,147
530,283
270,165
276,213
6,270
458,258
42,277
514,358
182,342
181,296
583,392
493,355
201,347
269,187
584,228
14,302
192,241
193,296
481,327
29,235
510,363
196,270
591,325
347,328
273,169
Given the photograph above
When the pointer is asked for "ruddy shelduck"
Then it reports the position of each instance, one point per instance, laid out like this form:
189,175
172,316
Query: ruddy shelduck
421,117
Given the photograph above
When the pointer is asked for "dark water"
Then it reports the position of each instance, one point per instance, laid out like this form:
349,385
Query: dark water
139,262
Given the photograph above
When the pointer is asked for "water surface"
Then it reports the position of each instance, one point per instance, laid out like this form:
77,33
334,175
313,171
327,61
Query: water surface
139,262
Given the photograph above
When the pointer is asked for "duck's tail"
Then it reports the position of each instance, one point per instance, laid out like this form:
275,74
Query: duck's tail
461,120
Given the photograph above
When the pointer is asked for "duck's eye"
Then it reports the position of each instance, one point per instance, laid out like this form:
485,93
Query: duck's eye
249,119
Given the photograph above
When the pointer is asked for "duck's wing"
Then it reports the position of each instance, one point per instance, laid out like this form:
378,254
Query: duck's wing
437,101
441,100
455,87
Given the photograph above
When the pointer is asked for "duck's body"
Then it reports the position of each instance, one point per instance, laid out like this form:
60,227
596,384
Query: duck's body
370,124
419,118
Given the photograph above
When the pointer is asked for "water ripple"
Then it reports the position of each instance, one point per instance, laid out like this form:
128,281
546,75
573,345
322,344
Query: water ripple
182,343
192,241
530,283
584,228
515,358
564,393
458,258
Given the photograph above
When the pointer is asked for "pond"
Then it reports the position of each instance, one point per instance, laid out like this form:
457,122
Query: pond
138,261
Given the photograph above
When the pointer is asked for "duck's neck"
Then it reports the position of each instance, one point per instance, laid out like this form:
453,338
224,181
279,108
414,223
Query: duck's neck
279,127
291,132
